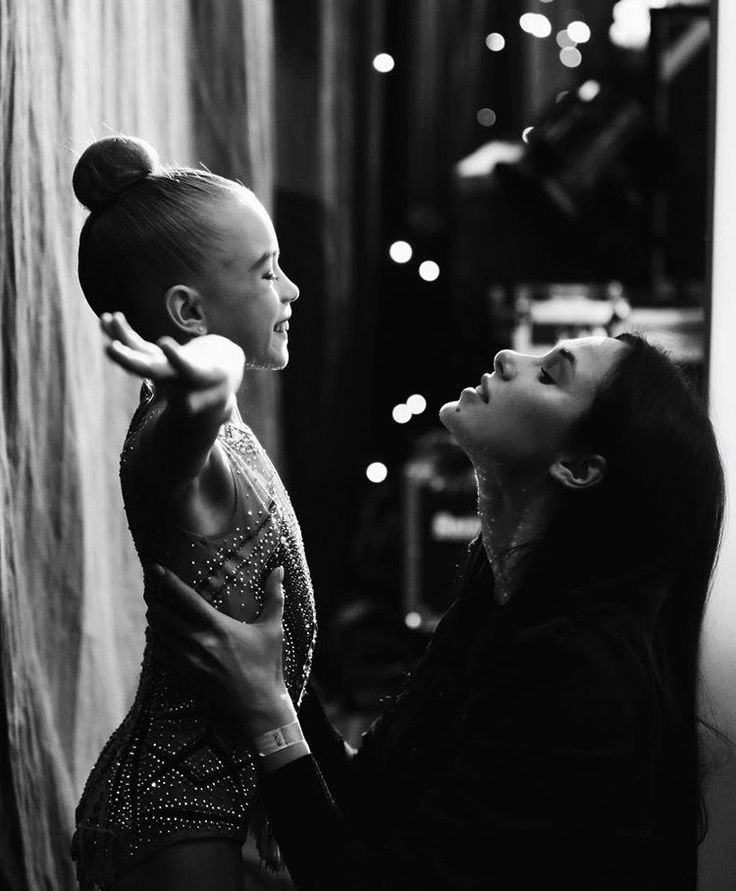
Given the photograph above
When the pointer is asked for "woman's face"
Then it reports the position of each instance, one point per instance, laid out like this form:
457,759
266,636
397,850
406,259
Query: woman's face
521,415
247,295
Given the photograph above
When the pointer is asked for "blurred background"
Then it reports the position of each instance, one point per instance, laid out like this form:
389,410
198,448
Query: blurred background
452,179
446,178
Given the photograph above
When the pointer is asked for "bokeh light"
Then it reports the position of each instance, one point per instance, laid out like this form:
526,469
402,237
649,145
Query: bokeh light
384,63
400,252
486,117
525,134
413,620
495,42
570,57
536,24
416,403
527,22
376,472
429,271
579,32
631,23
561,96
544,26
401,413
563,39
589,90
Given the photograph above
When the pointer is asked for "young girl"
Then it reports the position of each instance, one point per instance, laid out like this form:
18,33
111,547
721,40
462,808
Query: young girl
548,737
192,260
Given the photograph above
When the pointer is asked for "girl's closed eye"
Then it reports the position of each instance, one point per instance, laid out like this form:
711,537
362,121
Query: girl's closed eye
271,276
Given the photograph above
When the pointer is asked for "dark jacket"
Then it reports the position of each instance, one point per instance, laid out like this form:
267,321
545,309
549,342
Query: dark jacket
522,754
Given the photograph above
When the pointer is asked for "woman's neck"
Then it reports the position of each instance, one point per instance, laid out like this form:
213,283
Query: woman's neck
511,516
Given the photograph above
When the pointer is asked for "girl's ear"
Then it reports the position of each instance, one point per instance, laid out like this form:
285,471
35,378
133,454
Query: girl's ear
185,309
579,472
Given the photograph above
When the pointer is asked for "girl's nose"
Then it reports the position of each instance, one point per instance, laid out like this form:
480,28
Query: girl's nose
288,292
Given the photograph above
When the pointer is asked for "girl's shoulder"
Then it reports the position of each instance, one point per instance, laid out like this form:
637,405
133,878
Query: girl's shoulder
145,413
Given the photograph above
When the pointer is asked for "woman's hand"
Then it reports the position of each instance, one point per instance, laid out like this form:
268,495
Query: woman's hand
204,373
234,665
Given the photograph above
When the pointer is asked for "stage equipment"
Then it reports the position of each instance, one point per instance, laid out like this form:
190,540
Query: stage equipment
440,518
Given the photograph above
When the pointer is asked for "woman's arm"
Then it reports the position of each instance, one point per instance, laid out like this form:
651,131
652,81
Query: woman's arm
547,788
198,382
333,754
547,783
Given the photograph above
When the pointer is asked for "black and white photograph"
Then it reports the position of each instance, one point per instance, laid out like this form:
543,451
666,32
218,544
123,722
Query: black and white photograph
367,445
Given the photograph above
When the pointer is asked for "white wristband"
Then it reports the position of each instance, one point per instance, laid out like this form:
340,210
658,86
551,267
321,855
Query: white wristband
279,738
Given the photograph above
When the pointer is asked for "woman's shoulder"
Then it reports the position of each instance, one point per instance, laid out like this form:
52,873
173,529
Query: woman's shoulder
595,660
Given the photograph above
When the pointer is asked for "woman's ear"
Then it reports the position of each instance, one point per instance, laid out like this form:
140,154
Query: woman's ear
579,472
185,309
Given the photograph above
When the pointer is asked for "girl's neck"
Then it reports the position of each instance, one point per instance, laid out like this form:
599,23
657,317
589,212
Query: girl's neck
512,515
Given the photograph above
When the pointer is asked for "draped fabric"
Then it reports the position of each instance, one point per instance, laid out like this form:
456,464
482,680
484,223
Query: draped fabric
328,212
231,67
71,614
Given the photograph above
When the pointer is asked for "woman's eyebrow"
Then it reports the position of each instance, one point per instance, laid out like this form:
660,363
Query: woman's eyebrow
564,353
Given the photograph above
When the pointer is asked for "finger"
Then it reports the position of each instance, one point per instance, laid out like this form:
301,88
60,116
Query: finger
163,619
187,665
130,337
187,636
273,599
199,375
106,323
171,594
173,352
158,369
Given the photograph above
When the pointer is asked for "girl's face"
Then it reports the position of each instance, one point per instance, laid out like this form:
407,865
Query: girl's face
521,415
247,295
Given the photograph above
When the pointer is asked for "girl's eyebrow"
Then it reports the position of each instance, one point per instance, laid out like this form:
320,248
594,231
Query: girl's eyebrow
269,255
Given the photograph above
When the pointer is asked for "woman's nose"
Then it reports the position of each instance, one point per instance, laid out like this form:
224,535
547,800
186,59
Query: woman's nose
504,364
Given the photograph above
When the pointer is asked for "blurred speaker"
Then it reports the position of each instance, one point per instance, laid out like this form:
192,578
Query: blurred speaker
440,518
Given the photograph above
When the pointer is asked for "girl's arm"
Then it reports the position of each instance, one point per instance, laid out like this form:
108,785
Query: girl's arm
197,383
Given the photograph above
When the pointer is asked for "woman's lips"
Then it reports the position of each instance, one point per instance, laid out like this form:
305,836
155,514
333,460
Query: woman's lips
483,391
470,391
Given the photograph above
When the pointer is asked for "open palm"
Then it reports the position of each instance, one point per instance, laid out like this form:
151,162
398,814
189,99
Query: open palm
203,367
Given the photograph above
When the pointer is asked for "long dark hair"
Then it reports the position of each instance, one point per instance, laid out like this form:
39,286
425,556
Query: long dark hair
647,536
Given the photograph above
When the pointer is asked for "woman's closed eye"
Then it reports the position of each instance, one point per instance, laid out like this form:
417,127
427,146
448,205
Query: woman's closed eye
544,377
271,276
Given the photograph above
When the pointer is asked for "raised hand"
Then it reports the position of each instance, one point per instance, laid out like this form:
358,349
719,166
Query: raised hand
130,351
205,372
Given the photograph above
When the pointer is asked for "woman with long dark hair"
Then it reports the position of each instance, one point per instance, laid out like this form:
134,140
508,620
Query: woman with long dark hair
549,735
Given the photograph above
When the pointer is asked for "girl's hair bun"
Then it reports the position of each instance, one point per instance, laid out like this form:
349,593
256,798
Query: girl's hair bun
109,166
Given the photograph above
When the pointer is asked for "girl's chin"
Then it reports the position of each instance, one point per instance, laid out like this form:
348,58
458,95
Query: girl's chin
276,358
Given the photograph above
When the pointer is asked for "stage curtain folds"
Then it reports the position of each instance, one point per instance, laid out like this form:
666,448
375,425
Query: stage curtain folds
71,612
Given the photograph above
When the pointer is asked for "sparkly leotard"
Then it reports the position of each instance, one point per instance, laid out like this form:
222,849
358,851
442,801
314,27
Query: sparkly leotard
174,770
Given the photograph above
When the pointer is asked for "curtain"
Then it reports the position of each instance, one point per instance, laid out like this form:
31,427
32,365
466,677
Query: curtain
328,210
232,73
71,614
